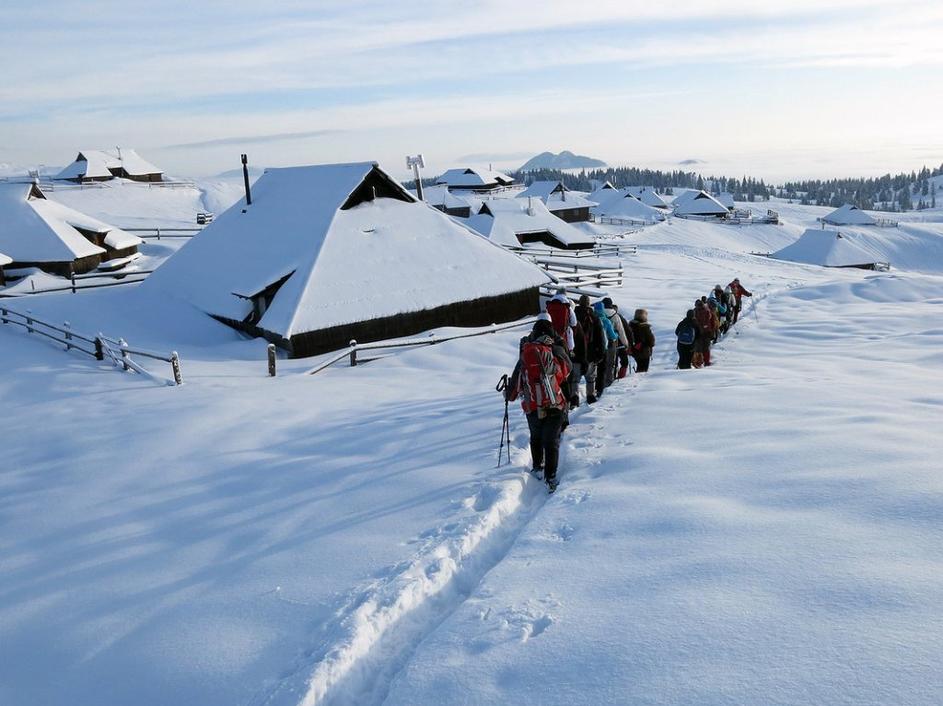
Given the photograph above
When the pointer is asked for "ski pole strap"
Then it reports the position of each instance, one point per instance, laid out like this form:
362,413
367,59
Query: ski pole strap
502,384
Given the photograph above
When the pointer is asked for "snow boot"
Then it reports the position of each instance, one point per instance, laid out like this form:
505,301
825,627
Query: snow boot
622,371
591,399
552,484
537,472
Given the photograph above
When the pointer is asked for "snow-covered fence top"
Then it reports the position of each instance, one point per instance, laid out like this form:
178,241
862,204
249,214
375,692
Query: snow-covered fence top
100,347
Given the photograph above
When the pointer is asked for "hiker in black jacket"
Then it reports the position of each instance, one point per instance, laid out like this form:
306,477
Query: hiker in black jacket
687,332
589,349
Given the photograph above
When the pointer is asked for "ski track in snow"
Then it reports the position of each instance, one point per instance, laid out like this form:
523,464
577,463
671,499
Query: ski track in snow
379,627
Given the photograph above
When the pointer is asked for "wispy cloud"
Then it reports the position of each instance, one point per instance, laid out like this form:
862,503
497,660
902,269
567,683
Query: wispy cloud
253,139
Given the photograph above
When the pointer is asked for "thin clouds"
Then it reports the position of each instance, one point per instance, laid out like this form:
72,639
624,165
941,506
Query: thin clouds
253,139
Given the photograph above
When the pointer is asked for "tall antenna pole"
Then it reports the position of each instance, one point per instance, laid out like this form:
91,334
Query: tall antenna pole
245,178
416,162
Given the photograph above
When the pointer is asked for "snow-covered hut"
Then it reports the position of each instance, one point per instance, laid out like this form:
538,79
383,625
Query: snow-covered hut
516,222
37,232
601,190
335,252
848,215
699,203
102,165
559,200
618,204
648,196
829,248
469,179
726,199
441,198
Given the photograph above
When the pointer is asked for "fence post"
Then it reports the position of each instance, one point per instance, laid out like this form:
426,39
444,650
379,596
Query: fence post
353,353
72,277
124,352
175,365
158,233
3,316
271,359
99,349
68,335
29,320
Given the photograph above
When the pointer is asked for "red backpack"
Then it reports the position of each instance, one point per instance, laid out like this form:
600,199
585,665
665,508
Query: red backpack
540,375
559,316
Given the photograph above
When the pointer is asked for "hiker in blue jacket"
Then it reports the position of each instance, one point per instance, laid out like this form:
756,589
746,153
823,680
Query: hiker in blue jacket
602,379
687,332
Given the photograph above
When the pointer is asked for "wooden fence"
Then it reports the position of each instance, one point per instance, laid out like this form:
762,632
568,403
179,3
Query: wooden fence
99,347
163,232
350,353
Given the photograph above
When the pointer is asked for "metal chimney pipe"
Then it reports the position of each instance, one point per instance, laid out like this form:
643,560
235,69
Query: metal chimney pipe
245,178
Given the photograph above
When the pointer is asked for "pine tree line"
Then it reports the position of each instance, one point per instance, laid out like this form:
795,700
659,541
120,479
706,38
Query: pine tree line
900,192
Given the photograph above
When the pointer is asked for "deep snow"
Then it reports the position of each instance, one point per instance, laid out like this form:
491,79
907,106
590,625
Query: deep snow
765,531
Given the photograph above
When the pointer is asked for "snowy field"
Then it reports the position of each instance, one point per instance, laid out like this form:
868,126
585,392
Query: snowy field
764,531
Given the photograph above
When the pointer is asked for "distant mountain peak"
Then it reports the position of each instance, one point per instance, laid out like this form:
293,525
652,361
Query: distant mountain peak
563,160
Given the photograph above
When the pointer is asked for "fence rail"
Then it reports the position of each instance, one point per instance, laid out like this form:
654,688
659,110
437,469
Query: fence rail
351,351
615,221
163,232
100,347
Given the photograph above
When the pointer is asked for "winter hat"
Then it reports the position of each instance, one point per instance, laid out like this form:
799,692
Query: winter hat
641,315
690,314
542,327
698,304
584,300
737,280
544,316
607,302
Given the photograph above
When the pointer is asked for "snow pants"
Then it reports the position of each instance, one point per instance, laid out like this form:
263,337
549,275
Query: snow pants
641,363
685,355
545,440
583,370
605,374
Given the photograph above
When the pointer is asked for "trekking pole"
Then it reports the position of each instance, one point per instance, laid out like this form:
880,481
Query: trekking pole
502,387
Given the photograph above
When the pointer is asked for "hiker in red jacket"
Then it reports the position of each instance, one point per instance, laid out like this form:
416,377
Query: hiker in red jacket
739,291
538,379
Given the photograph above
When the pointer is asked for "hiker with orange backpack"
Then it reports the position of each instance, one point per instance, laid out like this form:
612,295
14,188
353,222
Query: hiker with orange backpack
563,318
539,379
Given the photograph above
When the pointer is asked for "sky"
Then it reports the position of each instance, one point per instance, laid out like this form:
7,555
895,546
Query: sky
805,88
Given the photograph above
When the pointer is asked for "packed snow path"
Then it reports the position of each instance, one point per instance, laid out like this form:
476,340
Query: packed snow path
767,530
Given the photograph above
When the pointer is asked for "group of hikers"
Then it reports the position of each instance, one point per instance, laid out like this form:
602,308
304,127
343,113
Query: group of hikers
711,317
593,342
568,345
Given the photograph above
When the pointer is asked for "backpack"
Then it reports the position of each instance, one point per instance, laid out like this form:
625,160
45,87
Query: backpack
539,375
594,338
559,316
687,335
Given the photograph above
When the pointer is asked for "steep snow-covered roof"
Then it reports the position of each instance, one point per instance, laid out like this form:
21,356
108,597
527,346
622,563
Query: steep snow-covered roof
33,229
620,204
5,259
828,248
726,199
849,215
469,177
555,196
345,259
698,203
439,195
512,217
95,164
647,195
